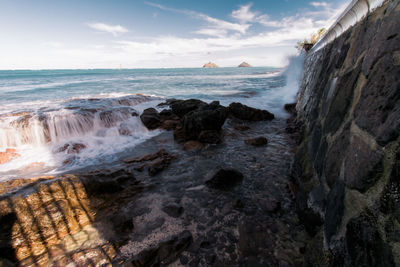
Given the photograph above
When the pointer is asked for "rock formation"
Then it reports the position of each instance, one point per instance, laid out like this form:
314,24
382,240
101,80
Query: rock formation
347,164
244,64
210,65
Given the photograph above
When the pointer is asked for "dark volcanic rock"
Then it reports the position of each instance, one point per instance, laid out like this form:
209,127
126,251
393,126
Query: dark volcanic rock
363,165
290,108
172,209
165,252
364,243
225,179
151,118
258,141
243,112
378,110
210,137
182,107
155,162
334,209
207,118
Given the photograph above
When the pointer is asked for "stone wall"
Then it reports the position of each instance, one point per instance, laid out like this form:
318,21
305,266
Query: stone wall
347,166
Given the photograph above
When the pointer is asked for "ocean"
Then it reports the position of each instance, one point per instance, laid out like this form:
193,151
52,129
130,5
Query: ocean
48,116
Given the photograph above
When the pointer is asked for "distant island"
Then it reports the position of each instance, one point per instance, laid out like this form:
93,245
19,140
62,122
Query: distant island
244,64
210,65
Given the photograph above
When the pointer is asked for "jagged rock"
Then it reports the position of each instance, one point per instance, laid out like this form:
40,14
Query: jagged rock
209,117
182,107
151,118
244,112
225,179
244,64
210,65
257,141
165,252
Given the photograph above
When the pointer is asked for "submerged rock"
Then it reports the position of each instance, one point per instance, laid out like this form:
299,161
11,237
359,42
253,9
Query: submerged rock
244,112
258,141
172,209
225,179
165,252
8,155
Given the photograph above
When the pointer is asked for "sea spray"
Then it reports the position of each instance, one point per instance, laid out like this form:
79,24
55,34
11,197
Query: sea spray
81,132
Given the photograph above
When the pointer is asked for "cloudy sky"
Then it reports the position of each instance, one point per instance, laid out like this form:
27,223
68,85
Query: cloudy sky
51,34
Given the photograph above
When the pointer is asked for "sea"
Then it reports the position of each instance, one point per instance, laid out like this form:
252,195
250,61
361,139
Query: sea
61,120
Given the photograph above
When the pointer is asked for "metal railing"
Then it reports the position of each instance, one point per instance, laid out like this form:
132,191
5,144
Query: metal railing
356,11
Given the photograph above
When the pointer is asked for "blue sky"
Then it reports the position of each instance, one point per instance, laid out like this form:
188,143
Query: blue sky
48,34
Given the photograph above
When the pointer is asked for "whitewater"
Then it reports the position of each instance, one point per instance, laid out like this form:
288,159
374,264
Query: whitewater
61,120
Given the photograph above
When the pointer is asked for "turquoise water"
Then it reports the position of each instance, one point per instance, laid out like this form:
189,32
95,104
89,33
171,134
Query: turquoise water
207,84
44,114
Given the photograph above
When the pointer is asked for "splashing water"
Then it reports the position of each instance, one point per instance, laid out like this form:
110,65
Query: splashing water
62,120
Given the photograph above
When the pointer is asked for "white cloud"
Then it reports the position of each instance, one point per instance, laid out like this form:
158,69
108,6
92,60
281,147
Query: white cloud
221,41
243,14
113,29
215,25
319,4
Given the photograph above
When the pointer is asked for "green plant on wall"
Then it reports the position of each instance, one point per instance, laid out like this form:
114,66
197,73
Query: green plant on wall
314,37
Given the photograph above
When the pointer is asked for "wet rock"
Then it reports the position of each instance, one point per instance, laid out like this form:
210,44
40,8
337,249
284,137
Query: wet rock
168,102
205,118
169,124
172,209
123,129
165,252
21,122
160,164
257,141
241,128
244,112
210,137
72,148
8,155
225,179
182,107
151,118
290,108
192,145
33,167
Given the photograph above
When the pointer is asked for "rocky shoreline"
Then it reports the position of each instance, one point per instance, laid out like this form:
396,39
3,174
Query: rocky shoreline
213,190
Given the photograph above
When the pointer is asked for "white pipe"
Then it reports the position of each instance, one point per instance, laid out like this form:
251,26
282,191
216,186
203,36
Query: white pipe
354,12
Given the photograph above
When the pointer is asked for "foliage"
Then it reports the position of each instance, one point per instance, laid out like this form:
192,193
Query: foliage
314,37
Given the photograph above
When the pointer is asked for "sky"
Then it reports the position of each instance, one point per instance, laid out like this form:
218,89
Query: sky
87,34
